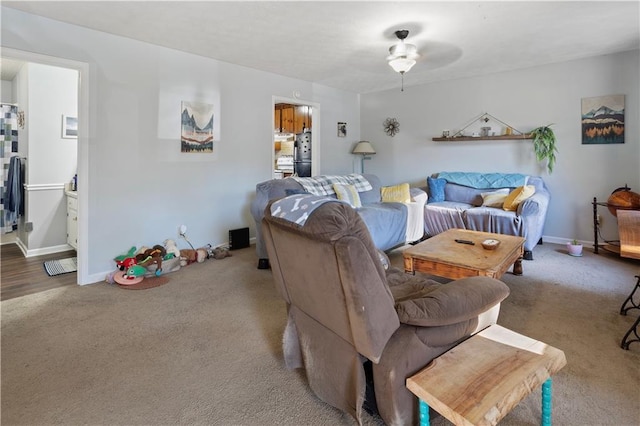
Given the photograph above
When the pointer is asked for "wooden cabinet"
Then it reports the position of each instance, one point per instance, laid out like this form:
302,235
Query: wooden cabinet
277,116
292,118
301,118
72,219
286,118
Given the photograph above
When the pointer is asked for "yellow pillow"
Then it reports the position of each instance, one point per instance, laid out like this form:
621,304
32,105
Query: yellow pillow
396,194
517,196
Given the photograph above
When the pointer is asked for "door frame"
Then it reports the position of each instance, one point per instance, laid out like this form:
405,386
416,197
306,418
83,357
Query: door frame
83,68
316,140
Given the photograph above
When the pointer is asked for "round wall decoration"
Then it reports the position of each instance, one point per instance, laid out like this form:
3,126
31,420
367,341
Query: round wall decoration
391,126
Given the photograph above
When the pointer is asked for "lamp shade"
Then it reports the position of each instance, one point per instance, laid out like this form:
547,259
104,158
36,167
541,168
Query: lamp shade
364,148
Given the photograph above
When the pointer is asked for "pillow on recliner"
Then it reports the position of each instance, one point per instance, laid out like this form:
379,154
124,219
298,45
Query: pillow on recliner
452,303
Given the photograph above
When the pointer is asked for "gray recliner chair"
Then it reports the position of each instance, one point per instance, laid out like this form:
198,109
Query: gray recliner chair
346,311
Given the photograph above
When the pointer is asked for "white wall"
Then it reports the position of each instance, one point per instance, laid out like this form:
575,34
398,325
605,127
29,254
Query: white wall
524,99
141,187
6,92
52,91
51,159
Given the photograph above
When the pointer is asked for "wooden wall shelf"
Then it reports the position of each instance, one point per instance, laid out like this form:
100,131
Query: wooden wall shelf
484,138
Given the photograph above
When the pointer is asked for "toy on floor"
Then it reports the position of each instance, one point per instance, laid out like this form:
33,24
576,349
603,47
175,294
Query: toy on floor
136,271
134,263
152,256
126,260
189,256
131,276
216,253
171,248
220,253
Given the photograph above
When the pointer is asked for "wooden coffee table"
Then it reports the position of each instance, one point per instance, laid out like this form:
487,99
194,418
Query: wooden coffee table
482,379
441,255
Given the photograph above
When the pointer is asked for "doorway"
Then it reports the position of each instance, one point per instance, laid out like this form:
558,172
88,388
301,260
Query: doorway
82,275
295,146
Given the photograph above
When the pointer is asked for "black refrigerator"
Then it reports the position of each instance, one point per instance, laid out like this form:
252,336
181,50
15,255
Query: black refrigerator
302,154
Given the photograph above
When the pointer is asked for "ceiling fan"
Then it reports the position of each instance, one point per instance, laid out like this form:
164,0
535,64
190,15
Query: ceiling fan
402,56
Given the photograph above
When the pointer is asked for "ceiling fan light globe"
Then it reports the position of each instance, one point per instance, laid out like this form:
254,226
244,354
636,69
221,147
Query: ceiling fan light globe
402,64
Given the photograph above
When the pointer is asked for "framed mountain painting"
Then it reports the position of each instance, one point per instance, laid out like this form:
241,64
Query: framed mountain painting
603,120
197,127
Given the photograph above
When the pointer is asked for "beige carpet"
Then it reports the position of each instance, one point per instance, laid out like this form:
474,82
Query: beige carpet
205,348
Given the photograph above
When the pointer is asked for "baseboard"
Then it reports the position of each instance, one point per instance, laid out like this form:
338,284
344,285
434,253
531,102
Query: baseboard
42,251
559,240
97,278
21,246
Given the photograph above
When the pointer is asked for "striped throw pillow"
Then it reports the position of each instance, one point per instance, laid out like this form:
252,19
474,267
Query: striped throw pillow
348,193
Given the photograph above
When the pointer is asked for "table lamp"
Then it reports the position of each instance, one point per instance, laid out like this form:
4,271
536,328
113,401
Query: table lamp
364,148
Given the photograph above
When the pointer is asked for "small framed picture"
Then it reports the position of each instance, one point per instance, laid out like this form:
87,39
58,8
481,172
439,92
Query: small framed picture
342,129
69,127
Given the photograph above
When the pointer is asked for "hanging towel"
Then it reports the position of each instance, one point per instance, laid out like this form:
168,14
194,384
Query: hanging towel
14,196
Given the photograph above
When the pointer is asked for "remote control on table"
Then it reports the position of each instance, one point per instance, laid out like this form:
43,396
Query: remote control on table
471,243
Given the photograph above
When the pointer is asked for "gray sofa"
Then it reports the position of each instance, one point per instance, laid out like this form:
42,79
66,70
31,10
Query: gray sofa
462,206
387,222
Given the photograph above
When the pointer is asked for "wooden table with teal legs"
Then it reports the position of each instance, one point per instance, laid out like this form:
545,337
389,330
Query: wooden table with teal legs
479,381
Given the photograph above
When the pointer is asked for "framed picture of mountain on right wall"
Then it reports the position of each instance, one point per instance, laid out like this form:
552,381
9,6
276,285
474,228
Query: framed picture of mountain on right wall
603,120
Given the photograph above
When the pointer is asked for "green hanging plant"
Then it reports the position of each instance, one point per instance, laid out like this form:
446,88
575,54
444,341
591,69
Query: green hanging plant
544,145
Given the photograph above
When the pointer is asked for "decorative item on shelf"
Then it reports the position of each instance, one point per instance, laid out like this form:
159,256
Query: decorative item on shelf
484,132
391,126
402,56
623,198
574,248
544,145
364,148
626,203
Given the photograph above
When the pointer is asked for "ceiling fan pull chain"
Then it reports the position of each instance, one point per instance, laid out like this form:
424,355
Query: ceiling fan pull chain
402,85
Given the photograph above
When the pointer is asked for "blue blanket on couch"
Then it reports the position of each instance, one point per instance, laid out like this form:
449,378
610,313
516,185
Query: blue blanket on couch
485,180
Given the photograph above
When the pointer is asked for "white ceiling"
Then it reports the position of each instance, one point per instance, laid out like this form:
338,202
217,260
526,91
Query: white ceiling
344,44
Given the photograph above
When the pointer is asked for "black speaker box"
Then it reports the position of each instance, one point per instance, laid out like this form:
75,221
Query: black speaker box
238,238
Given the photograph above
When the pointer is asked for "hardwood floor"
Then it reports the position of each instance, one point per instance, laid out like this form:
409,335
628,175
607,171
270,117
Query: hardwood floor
20,276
